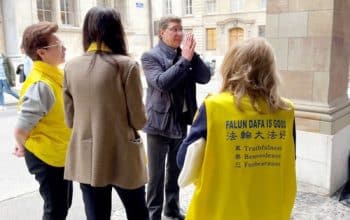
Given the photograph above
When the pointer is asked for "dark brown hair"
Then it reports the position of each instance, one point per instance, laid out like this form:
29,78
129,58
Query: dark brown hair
37,36
104,25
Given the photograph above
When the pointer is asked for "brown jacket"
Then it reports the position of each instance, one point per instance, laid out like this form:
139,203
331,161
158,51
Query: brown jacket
104,107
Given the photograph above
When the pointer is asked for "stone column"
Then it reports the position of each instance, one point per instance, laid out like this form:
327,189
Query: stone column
10,28
311,39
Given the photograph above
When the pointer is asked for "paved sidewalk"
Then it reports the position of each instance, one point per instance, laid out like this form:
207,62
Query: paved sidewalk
20,199
308,206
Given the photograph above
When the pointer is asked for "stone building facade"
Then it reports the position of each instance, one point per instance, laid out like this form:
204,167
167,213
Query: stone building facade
216,24
15,16
312,43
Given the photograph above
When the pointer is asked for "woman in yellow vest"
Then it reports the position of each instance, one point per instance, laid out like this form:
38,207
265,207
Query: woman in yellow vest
41,135
248,169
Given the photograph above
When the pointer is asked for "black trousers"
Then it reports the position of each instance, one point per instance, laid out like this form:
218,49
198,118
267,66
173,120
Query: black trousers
98,202
161,149
55,191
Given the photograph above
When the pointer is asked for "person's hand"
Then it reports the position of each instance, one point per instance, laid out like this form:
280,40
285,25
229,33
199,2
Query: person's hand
188,47
19,150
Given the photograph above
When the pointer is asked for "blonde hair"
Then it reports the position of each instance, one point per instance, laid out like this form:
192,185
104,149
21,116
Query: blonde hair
249,68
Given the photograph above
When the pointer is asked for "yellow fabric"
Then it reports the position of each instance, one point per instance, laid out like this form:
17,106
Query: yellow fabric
48,140
244,176
93,47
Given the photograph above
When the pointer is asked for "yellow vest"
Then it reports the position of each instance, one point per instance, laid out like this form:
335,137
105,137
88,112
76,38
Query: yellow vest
48,140
248,170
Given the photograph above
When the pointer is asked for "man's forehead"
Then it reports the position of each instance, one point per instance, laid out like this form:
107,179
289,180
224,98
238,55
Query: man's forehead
173,24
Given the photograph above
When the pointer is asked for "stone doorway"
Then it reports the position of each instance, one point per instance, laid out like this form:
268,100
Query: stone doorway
235,35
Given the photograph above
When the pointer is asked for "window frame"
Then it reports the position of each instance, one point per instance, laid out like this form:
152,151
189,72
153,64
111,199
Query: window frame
188,9
67,13
261,30
168,7
237,5
104,3
209,41
212,3
43,10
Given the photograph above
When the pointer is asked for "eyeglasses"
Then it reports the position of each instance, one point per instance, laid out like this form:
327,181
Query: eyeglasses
175,29
58,44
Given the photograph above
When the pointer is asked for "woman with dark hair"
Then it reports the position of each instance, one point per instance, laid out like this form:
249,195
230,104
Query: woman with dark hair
41,135
103,105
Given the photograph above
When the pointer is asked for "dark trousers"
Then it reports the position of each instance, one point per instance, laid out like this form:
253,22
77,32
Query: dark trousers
55,191
98,202
160,149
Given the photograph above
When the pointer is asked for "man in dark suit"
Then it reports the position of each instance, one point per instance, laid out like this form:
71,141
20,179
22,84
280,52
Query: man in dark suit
171,73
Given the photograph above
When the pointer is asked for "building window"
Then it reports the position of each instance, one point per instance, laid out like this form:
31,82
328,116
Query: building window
104,3
237,5
261,30
211,6
211,38
236,35
67,12
45,10
188,7
168,7
263,3
156,27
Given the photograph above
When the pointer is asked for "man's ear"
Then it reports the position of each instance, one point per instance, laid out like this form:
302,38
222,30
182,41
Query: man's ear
161,32
41,52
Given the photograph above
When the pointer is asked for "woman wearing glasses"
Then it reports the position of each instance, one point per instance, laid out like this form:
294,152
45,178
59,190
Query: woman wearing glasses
40,132
103,104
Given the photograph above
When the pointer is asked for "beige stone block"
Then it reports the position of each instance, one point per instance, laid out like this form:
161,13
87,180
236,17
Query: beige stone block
307,5
320,23
326,127
341,27
297,85
339,69
293,24
340,123
272,25
309,125
300,54
280,47
277,6
320,87
309,54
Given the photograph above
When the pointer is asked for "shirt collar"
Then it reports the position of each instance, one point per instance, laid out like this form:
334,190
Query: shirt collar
98,47
169,51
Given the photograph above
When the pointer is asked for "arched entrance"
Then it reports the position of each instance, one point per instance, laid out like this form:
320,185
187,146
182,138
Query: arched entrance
235,35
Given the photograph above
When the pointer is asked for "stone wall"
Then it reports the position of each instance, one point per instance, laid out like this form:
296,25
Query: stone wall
310,40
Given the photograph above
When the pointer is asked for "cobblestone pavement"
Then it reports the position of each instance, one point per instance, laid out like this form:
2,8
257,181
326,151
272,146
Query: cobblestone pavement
20,200
308,206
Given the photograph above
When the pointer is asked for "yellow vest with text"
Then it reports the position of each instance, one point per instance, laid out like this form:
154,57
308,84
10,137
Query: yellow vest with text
248,170
48,140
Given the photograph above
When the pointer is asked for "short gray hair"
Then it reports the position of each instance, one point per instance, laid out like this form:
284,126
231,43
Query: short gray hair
164,22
